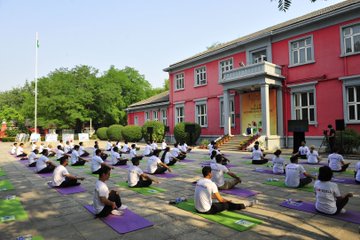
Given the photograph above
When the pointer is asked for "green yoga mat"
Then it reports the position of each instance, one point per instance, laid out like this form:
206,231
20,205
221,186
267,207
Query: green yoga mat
281,183
6,185
145,190
229,219
2,172
12,208
348,172
37,238
177,166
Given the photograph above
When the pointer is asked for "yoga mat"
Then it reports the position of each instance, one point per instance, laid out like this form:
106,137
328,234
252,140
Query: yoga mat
165,175
12,208
207,163
144,190
281,183
2,172
5,185
128,222
314,164
122,166
225,175
112,174
344,180
241,192
229,219
45,175
26,164
267,171
348,172
187,160
177,166
68,190
349,216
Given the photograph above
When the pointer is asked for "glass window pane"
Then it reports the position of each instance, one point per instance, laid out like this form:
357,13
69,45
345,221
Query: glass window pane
308,41
301,43
297,99
346,31
348,47
351,96
358,112
304,112
304,101
308,54
311,99
295,57
356,29
297,114
358,94
302,55
357,43
294,45
352,112
312,114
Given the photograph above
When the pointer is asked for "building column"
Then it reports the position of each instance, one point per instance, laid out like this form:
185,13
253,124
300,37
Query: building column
265,110
279,111
227,119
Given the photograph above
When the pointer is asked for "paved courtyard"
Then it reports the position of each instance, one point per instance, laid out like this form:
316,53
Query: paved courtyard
54,216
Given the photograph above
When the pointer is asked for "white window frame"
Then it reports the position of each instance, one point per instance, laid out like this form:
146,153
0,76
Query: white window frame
201,116
298,49
179,118
253,52
303,88
136,120
155,115
164,116
231,111
351,37
348,82
200,76
179,81
225,66
146,116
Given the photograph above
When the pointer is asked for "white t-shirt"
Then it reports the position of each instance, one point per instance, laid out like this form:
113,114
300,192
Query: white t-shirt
293,173
163,145
175,152
74,156
303,150
32,157
96,162
211,148
218,171
132,153
168,158
152,164
19,151
326,193
182,148
134,173
312,157
41,148
67,148
154,146
13,150
101,190
125,148
41,163
81,150
278,164
115,156
335,161
357,170
59,153
59,175
108,145
204,191
256,154
147,150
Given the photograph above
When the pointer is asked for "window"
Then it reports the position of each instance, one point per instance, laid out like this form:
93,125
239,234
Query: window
304,106
179,81
353,103
201,114
147,116
301,51
136,120
164,116
179,114
156,115
225,66
351,39
258,56
200,76
231,111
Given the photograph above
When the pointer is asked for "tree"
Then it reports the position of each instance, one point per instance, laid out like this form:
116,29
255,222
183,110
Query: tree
284,5
214,45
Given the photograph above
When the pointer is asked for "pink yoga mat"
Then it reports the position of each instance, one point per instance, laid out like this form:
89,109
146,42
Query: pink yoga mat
128,222
241,192
349,216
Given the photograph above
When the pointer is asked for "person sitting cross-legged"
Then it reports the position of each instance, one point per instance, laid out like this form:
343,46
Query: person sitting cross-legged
218,171
313,156
148,150
154,164
116,159
62,178
168,158
303,150
278,162
20,152
43,164
136,177
60,153
82,151
336,162
133,153
176,152
13,149
294,171
257,156
97,163
206,190
32,158
76,160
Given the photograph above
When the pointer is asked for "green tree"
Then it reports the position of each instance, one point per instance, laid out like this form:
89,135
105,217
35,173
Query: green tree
284,5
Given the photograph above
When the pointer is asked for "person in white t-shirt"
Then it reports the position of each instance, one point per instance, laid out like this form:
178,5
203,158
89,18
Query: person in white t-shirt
336,162
97,162
103,155
43,164
216,152
82,151
182,148
211,147
168,158
188,149
163,144
13,149
278,162
116,158
154,164
175,152
206,190
67,147
357,173
294,173
59,153
32,158
133,153
33,146
20,152
218,170
76,160
148,150
62,178
137,178
257,156
303,150
108,145
61,144
125,148
328,197
154,145
105,202
313,156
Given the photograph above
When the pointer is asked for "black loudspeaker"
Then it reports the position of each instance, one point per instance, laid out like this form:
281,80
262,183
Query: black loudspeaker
167,129
190,128
150,130
298,138
298,125
340,124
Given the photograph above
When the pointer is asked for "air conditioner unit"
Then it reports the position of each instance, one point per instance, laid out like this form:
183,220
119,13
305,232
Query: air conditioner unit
260,59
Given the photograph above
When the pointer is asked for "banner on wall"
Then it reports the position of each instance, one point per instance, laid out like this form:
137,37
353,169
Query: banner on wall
68,137
251,112
35,137
83,137
51,137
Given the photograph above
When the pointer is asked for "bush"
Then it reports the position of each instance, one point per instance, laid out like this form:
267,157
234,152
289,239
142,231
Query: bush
132,133
11,132
93,137
350,140
181,136
101,133
8,139
114,132
158,132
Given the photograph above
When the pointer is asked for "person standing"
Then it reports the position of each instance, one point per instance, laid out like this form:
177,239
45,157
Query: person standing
331,138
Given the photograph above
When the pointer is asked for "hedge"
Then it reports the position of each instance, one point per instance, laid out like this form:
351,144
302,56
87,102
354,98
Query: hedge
132,133
8,139
350,141
181,136
114,132
101,133
158,131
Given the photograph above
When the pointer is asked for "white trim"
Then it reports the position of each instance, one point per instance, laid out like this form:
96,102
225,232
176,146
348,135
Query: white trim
348,81
342,44
175,81
222,118
302,86
197,104
291,60
225,60
196,74
176,106
200,99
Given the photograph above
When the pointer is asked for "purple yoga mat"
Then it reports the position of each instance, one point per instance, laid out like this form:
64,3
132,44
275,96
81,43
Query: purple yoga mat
45,175
314,164
246,157
349,216
122,166
241,192
186,161
70,190
268,171
165,175
343,180
128,222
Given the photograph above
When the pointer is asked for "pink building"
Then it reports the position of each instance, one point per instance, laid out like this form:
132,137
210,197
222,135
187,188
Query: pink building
305,68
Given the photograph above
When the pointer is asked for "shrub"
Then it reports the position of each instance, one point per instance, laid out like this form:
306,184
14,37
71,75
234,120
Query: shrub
8,139
350,140
101,133
158,132
11,132
94,137
132,133
114,132
182,136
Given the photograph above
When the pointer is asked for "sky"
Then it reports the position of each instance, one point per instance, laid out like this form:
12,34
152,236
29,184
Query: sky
148,35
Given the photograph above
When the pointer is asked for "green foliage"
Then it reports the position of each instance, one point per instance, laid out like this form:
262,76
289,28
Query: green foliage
350,140
158,132
284,5
8,139
102,133
114,132
10,114
205,142
132,133
11,132
94,137
214,45
181,136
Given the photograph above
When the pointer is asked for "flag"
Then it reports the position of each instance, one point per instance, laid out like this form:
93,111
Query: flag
37,44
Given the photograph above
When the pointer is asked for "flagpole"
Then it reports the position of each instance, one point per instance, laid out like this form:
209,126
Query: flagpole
36,76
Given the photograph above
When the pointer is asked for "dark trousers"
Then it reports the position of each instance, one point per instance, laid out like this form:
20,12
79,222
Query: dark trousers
104,156
259,161
181,156
79,163
85,154
114,197
97,171
304,181
331,144
172,162
32,164
219,207
343,168
340,203
143,183
21,155
303,156
69,183
47,169
121,162
160,170
137,158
